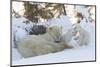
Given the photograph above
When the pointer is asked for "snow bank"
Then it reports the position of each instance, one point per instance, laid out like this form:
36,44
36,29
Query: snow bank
68,55
18,22
20,29
63,21
15,54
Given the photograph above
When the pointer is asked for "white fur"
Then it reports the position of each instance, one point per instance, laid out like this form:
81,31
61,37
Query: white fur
43,44
83,36
67,37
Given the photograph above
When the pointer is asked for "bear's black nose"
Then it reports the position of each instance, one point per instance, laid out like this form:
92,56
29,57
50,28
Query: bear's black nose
57,41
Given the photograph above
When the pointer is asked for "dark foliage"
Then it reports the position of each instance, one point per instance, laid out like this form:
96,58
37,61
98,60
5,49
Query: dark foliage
34,13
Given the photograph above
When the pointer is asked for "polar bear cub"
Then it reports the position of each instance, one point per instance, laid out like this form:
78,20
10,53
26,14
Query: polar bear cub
83,36
39,45
67,37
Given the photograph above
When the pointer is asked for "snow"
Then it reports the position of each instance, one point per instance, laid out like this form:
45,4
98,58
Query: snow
63,21
20,29
15,54
19,22
83,53
20,34
18,7
68,55
83,10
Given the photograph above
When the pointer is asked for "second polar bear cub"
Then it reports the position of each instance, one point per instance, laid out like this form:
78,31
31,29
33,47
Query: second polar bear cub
67,37
43,44
83,37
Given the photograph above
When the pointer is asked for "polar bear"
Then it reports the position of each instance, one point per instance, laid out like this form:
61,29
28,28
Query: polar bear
39,45
83,36
67,37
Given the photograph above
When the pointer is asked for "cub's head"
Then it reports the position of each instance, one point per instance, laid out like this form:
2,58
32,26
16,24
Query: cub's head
55,32
77,27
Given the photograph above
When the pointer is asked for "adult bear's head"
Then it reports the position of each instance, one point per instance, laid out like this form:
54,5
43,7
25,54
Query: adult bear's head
55,33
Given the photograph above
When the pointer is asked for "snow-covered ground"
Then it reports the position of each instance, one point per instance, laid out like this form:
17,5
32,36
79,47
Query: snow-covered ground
68,55
83,53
